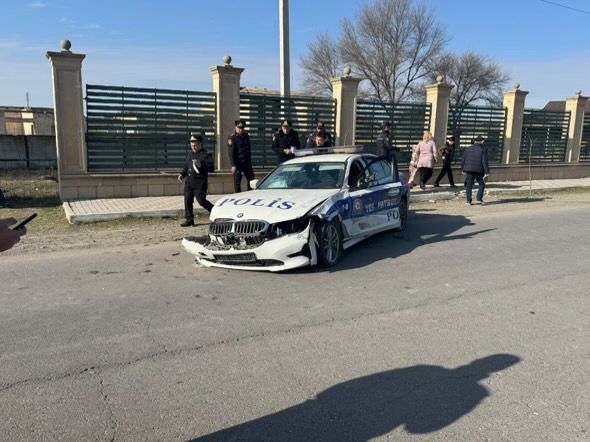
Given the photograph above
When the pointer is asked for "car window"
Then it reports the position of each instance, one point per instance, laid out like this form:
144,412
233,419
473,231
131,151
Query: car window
381,172
328,175
356,168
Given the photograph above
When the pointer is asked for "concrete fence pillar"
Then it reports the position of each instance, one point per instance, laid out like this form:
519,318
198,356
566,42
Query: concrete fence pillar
438,96
344,90
514,102
2,123
226,84
68,96
576,106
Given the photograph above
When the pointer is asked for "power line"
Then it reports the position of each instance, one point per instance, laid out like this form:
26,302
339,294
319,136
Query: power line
565,6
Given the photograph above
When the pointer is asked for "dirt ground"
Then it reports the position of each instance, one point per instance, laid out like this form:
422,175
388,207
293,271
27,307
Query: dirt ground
51,232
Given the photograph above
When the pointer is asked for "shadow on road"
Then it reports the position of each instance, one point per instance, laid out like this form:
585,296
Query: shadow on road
422,229
517,200
421,399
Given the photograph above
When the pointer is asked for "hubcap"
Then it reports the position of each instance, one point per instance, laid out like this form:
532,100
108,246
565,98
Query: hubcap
331,245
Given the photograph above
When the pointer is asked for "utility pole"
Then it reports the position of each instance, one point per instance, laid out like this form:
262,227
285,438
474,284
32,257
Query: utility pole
285,68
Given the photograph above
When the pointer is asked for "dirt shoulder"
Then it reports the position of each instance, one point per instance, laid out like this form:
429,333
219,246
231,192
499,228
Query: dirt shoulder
51,232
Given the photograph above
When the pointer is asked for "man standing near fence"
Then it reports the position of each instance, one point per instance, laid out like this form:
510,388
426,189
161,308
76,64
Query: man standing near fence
385,148
477,168
240,156
321,127
196,168
285,142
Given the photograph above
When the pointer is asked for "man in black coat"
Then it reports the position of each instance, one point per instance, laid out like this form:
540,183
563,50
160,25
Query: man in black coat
285,141
196,168
476,167
319,139
447,154
321,127
240,156
385,148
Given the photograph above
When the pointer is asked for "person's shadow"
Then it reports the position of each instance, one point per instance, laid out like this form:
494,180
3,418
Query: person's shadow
422,399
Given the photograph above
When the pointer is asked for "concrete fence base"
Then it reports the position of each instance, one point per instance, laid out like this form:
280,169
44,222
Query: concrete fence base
92,186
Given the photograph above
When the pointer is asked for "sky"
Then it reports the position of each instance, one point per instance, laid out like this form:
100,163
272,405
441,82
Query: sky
173,43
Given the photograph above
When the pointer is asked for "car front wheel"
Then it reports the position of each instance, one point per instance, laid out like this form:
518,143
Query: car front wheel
330,243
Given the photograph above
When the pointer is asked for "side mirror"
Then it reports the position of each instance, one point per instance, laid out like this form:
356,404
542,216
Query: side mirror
254,184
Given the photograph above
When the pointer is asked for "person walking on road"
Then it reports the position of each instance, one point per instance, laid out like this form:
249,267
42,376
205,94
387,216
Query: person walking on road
427,157
194,174
285,142
240,156
447,153
476,168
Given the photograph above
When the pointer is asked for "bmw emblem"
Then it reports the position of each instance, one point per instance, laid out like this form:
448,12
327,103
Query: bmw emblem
240,215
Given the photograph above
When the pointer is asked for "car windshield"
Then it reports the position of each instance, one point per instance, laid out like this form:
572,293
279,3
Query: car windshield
328,175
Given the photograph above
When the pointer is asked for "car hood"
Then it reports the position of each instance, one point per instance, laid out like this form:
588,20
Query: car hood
272,206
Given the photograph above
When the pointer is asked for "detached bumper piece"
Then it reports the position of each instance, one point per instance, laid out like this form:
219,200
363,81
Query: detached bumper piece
246,259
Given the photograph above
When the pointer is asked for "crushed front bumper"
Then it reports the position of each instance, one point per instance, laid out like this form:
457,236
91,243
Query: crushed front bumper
284,253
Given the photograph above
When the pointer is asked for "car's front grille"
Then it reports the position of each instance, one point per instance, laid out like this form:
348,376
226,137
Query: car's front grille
239,234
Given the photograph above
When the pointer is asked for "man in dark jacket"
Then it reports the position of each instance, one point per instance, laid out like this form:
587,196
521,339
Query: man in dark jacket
240,156
321,127
385,148
476,167
319,139
285,141
447,153
196,168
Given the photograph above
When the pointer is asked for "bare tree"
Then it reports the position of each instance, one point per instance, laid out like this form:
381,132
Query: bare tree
475,79
321,65
395,45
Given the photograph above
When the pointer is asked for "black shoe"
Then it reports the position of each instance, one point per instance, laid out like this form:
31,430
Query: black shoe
187,224
436,185
422,186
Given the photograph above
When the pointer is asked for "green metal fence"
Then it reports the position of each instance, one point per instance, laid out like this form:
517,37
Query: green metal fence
585,148
466,123
263,114
544,136
131,129
409,121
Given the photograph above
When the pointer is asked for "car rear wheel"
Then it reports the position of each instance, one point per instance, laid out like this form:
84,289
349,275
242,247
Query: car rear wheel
403,215
330,243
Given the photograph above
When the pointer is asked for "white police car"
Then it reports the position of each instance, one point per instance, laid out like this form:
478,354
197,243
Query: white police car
306,212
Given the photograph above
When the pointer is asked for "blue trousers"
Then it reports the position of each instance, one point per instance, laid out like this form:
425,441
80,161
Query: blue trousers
471,177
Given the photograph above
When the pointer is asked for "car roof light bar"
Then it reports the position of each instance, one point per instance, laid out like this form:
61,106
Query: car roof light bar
327,150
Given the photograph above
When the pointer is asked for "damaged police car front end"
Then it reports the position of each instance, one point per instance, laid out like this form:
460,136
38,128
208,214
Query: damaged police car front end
301,214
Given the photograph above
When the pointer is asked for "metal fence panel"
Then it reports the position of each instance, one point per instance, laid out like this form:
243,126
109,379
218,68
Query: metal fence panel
409,122
263,114
466,123
131,129
544,136
585,148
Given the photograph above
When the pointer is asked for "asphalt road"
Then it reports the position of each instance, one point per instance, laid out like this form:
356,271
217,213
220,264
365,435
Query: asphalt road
470,327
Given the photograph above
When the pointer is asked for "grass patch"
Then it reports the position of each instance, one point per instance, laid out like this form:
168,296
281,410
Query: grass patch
52,219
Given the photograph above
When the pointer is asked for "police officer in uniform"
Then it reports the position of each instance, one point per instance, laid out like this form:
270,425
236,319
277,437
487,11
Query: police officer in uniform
240,156
197,166
321,127
319,139
385,148
284,140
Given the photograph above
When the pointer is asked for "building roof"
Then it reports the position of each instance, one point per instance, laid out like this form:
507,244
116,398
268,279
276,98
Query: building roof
559,106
